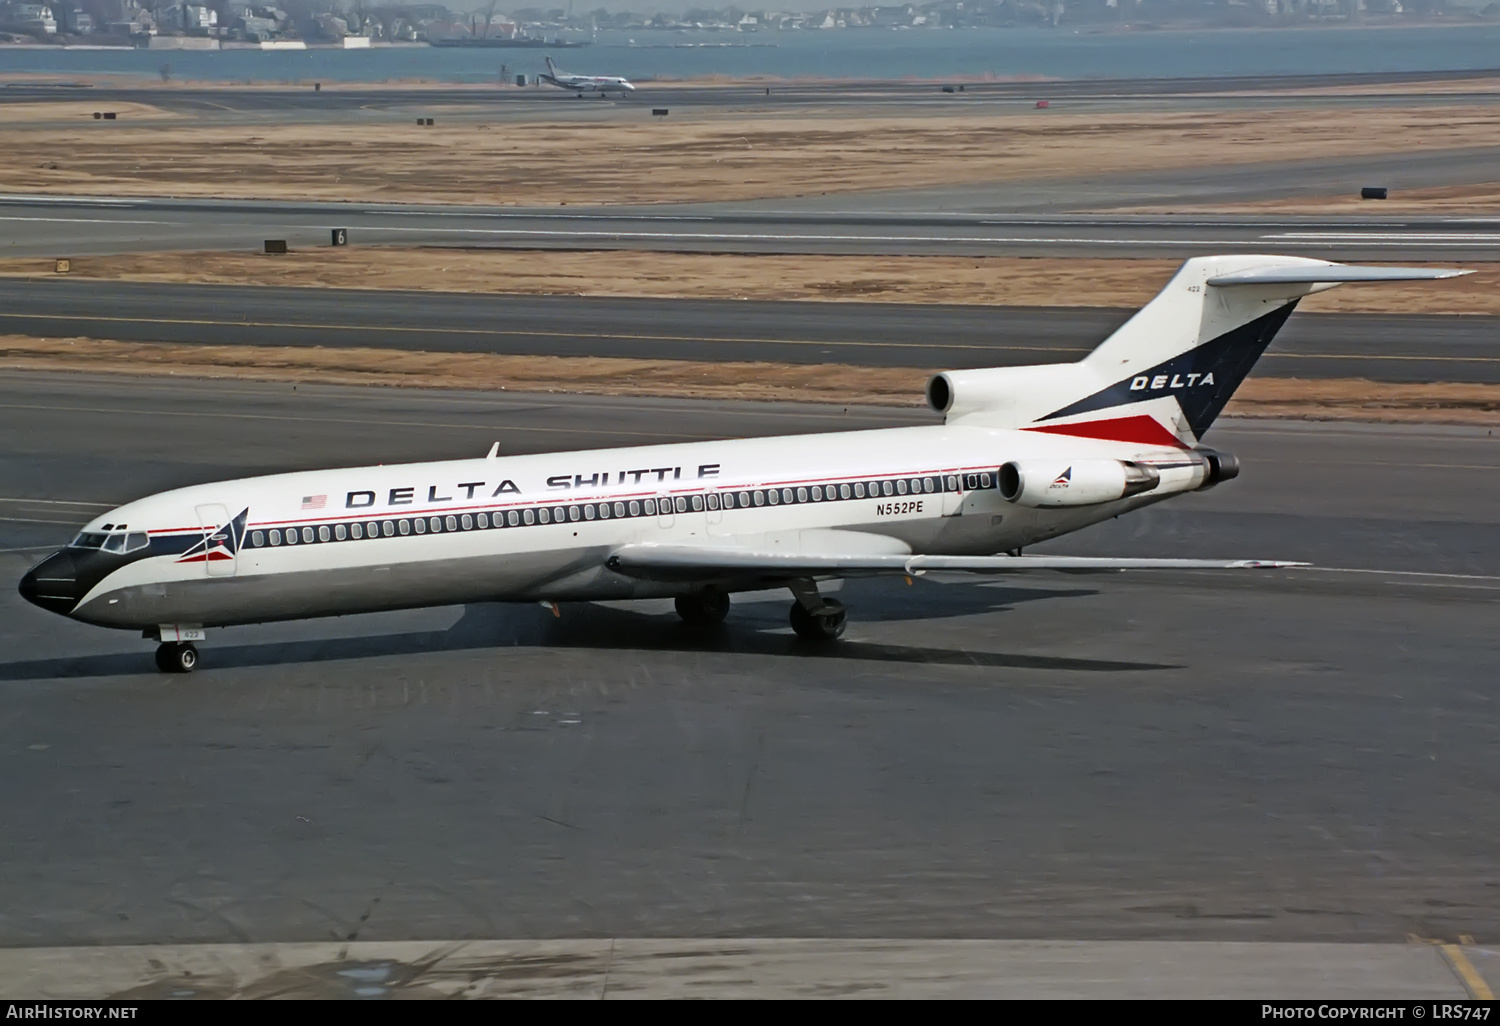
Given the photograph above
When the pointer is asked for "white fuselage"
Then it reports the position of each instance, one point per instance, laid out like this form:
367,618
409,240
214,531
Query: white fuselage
542,527
590,83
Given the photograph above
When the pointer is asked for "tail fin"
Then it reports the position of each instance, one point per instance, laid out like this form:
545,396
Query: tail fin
550,69
1168,372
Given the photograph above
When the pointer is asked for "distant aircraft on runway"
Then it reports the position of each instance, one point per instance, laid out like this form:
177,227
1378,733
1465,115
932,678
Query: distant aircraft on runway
580,84
1024,454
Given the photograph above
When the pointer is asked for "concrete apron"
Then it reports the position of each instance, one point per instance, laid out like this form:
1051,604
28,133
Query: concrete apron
755,968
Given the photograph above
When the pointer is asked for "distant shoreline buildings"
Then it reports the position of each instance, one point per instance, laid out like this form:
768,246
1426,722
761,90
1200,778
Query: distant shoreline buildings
216,24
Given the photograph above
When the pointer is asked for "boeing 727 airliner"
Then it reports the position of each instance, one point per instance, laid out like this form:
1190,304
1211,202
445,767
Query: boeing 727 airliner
1024,454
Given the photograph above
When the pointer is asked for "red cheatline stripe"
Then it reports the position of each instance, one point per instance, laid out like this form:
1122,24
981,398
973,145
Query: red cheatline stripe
204,557
1138,430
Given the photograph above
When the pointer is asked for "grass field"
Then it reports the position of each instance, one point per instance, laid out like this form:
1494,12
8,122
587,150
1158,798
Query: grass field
622,155
1001,281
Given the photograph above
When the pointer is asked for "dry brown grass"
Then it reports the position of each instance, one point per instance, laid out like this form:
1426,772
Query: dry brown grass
1004,281
1414,89
589,375
1347,399
703,155
1360,399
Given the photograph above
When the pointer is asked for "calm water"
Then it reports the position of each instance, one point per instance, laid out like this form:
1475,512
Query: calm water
869,54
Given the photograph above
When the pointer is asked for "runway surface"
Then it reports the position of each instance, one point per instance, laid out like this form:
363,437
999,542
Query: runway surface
336,97
967,220
1381,347
1289,756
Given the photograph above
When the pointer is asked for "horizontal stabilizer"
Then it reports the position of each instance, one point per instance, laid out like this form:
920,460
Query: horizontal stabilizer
1334,273
685,562
1166,374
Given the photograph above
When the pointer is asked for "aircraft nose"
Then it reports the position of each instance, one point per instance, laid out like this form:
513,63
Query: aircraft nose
52,584
28,586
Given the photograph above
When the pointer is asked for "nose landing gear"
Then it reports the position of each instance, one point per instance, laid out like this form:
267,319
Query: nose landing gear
176,653
176,657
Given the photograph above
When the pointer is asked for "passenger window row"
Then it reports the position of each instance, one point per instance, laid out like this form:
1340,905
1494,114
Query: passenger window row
622,510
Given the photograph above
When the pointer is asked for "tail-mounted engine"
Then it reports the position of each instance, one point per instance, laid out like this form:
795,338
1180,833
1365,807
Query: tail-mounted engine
1079,483
1222,466
1054,482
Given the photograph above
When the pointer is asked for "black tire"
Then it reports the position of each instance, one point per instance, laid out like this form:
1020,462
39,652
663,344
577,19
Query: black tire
703,608
176,657
820,627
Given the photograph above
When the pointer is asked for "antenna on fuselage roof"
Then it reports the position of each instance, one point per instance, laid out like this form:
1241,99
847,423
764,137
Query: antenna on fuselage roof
494,451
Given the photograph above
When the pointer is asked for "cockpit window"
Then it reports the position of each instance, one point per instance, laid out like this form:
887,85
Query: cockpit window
117,541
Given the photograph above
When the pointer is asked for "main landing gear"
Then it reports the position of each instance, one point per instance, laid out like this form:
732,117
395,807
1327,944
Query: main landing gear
825,625
176,657
706,607
814,617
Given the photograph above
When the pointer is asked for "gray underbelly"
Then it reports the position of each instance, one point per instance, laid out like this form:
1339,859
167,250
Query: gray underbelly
259,598
556,575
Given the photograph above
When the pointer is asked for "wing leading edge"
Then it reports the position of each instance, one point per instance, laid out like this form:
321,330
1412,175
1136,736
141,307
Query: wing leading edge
1331,274
688,562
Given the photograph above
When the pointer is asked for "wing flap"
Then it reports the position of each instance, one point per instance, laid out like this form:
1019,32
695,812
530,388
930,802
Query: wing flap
690,562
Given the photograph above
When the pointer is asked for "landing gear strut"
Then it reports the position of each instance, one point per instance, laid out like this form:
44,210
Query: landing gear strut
703,608
814,617
176,657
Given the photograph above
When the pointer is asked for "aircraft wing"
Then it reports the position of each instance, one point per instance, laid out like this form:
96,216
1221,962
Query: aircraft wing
692,562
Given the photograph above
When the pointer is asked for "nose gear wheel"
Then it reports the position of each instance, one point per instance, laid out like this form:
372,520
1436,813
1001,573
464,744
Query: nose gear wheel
176,657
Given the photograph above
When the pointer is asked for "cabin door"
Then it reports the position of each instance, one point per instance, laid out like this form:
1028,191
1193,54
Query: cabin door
219,542
953,497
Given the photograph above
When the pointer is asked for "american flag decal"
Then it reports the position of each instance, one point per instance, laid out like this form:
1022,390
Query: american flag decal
314,501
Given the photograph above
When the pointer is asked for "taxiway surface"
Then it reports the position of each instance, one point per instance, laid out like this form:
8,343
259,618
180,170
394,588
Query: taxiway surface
1229,757
1380,347
1024,218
